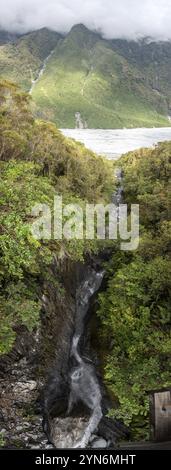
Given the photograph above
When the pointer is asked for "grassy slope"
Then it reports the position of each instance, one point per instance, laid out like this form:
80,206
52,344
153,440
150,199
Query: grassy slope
86,75
20,61
111,83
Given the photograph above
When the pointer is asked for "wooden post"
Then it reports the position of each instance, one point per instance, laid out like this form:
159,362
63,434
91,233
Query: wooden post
160,415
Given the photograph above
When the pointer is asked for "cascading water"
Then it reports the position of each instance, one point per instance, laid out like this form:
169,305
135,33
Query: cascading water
41,72
117,195
84,385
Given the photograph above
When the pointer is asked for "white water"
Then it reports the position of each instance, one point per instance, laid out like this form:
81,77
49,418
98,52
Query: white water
41,72
114,142
84,384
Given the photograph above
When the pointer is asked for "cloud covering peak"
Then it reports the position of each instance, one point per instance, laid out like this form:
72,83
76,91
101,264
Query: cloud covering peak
130,19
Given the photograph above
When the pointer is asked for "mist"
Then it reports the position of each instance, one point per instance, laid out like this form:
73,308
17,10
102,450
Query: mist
130,19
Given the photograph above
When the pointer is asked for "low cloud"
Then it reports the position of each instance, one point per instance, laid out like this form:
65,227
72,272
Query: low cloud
126,18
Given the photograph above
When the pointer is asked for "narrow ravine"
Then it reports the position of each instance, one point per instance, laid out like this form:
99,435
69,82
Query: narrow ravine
91,429
84,384
74,402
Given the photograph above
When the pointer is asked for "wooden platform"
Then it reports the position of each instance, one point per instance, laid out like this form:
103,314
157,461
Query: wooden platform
145,445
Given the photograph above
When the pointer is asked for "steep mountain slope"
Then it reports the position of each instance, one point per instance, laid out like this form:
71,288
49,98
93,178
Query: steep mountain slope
88,82
6,37
21,61
153,59
92,82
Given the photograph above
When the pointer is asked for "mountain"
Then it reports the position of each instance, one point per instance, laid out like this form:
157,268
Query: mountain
154,61
6,37
21,60
91,82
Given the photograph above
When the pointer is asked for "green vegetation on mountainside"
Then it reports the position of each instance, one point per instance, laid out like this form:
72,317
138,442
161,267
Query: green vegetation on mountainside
21,61
86,75
112,84
154,61
135,310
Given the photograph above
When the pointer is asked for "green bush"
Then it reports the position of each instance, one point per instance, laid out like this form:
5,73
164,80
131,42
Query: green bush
135,310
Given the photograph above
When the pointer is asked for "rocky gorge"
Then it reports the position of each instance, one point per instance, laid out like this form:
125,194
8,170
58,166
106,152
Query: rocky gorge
29,390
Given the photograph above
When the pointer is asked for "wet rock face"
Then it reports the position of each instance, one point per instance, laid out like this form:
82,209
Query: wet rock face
68,432
72,379
74,376
23,389
24,371
20,420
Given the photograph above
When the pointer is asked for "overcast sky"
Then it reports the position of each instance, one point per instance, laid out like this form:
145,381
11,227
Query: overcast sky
116,18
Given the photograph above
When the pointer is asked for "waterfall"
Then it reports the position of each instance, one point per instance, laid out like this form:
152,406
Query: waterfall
41,72
84,385
117,195
80,124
